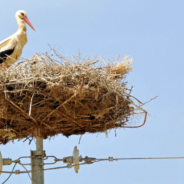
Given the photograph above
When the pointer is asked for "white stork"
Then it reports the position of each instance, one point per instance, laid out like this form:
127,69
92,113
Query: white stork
11,48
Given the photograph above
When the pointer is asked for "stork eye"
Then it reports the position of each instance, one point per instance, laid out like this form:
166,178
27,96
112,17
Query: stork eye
22,14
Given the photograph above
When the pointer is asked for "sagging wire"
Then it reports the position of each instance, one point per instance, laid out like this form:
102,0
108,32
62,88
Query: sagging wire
27,173
10,173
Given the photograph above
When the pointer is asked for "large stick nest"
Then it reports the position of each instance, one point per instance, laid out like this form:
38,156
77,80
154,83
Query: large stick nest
44,97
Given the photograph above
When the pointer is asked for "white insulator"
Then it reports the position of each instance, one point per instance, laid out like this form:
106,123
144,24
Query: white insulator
68,160
76,159
7,161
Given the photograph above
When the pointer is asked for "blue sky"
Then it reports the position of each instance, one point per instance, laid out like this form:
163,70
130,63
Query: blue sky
151,32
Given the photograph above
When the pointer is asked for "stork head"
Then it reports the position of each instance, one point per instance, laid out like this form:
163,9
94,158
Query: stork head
21,14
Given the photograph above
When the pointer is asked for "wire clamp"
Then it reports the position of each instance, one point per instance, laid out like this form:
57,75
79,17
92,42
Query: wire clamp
69,166
17,171
110,159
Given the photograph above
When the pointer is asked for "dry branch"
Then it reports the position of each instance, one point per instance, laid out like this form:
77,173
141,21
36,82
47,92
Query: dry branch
68,96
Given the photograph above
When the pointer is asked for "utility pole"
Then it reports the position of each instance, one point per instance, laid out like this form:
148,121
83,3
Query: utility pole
37,164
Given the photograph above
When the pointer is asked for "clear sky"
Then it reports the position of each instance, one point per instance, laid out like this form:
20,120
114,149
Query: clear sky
151,31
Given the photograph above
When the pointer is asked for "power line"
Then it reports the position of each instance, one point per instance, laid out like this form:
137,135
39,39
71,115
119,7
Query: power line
87,160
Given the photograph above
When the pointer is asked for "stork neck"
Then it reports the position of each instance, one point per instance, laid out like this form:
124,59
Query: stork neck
21,25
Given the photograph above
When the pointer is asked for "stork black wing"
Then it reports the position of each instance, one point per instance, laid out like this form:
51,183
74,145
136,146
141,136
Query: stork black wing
5,53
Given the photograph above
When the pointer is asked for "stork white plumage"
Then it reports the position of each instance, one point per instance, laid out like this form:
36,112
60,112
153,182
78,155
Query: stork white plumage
11,48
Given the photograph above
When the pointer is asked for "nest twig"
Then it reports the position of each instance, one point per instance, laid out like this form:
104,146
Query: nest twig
68,96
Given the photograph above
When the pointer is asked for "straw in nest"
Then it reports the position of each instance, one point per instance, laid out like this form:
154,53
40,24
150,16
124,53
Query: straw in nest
44,97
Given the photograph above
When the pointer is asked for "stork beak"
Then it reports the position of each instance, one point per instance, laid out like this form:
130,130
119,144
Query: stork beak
28,22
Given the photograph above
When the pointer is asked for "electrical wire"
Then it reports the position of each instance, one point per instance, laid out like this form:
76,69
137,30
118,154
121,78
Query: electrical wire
144,158
84,163
27,172
113,159
11,173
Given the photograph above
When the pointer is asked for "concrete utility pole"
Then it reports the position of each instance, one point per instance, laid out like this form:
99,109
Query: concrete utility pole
37,162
